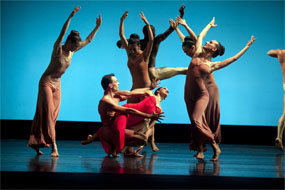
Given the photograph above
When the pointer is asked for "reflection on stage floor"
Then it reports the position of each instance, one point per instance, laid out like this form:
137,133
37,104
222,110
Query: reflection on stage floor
173,159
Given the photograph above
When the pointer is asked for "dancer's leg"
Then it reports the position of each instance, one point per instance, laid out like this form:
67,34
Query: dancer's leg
281,126
90,139
166,72
150,133
54,114
217,151
139,128
280,131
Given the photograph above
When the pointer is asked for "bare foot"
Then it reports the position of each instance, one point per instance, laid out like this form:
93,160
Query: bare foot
141,136
133,154
154,147
217,152
139,149
279,144
37,149
87,141
115,155
54,154
200,155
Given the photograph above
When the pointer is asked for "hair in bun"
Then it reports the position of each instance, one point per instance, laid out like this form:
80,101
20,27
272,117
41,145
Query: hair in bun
74,37
145,32
220,50
135,36
188,42
134,39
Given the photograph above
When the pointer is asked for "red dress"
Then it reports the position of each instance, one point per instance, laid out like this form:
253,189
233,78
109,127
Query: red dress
147,105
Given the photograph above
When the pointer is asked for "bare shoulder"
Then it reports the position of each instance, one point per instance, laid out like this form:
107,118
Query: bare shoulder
281,52
276,52
281,56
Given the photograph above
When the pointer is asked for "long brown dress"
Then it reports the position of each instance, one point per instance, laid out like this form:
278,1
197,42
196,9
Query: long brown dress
48,104
212,112
196,97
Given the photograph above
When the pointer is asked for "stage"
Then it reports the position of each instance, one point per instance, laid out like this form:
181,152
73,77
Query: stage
172,167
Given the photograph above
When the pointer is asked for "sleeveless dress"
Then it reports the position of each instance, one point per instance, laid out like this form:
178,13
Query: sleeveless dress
196,97
48,103
212,112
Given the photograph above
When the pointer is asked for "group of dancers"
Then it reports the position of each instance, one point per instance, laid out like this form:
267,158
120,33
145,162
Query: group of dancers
132,125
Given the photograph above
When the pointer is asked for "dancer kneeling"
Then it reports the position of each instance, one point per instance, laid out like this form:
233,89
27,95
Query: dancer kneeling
115,118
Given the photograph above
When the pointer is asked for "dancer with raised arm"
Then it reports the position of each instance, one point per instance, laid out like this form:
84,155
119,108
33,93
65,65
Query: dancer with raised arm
137,59
115,118
196,93
162,72
49,94
280,54
212,112
153,73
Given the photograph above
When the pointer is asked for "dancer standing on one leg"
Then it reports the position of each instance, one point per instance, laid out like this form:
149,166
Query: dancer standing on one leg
115,118
280,54
49,95
196,94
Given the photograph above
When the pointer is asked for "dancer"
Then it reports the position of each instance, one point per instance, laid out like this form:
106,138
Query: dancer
137,59
212,112
113,132
147,105
49,95
280,54
163,72
196,94
153,73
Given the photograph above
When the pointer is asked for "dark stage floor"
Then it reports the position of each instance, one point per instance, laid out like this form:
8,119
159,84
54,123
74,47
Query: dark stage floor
173,166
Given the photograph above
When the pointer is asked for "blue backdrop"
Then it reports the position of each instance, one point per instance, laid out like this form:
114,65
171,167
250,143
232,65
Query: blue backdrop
251,90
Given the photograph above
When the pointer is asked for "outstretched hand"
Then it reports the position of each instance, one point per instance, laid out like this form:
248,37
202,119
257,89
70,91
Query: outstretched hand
181,21
251,41
181,10
157,116
99,20
173,24
125,15
212,23
154,83
143,18
75,11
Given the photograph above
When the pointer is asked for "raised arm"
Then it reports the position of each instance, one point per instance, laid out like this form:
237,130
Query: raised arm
149,44
202,35
174,25
164,35
122,31
92,34
59,40
219,65
189,30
